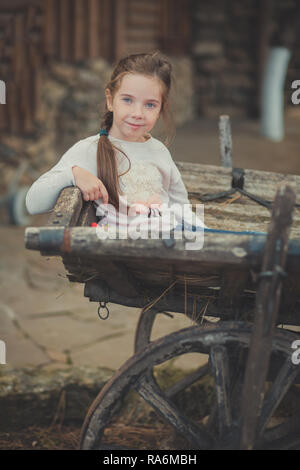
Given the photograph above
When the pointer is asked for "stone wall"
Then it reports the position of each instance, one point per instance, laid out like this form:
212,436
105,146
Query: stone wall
225,54
224,57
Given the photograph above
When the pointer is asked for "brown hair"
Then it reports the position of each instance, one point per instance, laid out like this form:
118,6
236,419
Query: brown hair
151,64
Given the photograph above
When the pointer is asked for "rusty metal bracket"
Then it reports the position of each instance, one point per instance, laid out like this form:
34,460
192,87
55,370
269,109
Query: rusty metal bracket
237,185
51,241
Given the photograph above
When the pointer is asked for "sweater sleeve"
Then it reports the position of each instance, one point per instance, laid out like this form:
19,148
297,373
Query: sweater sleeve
43,193
178,196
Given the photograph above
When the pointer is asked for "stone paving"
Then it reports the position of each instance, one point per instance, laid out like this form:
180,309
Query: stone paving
46,321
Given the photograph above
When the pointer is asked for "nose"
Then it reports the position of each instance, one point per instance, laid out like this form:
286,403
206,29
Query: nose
137,111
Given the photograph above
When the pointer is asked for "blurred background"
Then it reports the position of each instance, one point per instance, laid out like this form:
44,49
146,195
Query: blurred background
230,57
233,57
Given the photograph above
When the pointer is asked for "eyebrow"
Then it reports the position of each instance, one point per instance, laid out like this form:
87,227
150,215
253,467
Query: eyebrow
149,99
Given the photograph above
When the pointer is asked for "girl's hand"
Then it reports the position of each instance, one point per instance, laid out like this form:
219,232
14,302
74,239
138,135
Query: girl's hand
141,207
138,208
91,187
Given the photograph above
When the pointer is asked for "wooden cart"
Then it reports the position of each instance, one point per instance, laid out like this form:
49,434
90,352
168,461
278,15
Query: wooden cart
246,275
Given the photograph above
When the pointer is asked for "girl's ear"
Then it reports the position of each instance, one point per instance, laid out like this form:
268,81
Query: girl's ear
108,99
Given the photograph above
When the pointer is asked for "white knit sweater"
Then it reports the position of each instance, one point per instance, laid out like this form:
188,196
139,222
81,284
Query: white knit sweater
153,176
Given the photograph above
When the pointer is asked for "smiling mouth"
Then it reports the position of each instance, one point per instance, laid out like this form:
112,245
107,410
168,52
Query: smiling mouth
135,126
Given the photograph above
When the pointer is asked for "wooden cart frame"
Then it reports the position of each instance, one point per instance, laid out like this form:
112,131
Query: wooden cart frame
250,281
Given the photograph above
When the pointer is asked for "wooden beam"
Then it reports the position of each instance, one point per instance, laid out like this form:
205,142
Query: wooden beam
3,117
121,9
79,38
50,30
267,305
94,11
65,30
67,208
26,105
107,33
13,97
19,49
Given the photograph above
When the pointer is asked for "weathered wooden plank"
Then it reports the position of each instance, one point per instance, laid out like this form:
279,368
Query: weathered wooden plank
220,369
225,141
141,46
13,97
50,30
230,248
3,118
141,34
233,283
19,55
94,11
204,179
144,7
26,101
290,297
9,5
142,20
67,208
219,249
87,214
121,280
243,213
121,14
36,94
243,216
176,28
79,29
267,304
106,25
65,29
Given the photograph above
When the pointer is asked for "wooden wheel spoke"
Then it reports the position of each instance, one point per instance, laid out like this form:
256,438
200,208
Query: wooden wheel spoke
289,442
153,395
219,366
283,436
280,387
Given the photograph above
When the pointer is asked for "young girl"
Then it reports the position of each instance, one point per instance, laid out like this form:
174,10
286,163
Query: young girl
130,175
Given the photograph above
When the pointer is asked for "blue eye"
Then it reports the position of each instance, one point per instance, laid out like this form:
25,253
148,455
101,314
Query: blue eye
150,105
127,100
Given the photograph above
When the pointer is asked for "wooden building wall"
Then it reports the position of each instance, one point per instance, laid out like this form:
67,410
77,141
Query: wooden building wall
36,32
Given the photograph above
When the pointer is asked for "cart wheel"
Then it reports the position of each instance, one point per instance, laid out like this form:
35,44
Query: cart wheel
142,339
222,429
17,208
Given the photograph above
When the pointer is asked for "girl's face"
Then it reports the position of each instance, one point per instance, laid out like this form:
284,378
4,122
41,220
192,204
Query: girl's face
136,107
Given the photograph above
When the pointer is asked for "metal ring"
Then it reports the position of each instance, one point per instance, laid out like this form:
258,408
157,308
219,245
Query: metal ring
102,305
